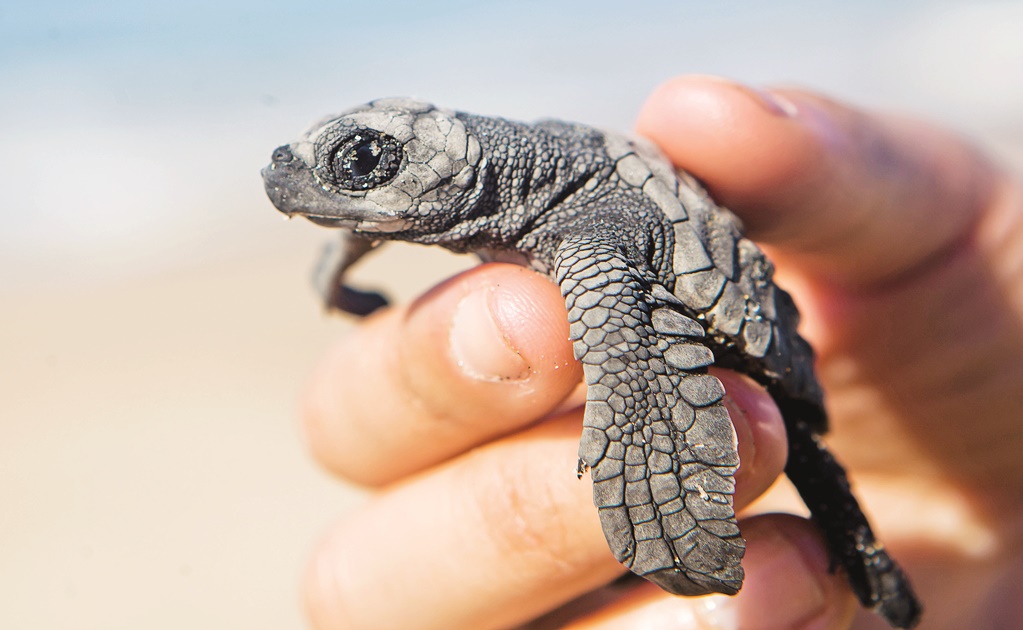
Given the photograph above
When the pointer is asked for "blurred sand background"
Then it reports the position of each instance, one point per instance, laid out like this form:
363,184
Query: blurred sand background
156,320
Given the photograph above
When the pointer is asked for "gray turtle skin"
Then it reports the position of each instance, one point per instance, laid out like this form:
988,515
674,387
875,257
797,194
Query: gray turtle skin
659,285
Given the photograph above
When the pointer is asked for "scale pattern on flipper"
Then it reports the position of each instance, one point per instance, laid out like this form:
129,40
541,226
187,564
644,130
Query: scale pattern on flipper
656,436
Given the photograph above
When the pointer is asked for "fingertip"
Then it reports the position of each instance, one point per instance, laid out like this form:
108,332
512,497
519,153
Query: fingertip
854,197
498,324
529,313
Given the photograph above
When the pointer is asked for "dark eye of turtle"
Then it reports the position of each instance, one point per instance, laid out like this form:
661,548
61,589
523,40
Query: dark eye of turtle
365,160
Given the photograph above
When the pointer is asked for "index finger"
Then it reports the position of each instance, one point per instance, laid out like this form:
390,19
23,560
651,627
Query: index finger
857,199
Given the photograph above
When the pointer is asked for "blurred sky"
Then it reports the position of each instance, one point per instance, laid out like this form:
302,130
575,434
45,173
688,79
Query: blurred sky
155,318
133,132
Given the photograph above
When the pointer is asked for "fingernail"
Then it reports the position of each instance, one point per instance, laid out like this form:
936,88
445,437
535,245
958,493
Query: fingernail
716,612
709,612
478,344
775,103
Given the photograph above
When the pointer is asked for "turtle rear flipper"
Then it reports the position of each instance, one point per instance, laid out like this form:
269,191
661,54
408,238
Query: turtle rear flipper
876,579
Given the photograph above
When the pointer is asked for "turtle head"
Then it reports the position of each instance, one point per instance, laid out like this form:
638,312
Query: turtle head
388,166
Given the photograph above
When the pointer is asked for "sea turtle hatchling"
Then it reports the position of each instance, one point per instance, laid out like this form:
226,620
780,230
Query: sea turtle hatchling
659,284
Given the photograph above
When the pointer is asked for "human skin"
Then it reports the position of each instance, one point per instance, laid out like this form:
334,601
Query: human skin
903,247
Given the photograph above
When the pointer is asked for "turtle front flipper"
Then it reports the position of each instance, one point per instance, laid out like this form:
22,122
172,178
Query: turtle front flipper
328,278
658,441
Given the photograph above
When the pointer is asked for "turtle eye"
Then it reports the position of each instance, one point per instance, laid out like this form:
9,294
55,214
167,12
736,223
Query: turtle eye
366,160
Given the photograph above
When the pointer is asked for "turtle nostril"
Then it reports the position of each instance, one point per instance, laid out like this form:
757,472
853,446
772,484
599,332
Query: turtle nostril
282,155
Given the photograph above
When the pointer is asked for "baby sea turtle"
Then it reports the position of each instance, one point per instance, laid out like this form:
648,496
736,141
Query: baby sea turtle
659,284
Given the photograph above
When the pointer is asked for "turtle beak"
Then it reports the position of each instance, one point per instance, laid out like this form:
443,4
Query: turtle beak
294,189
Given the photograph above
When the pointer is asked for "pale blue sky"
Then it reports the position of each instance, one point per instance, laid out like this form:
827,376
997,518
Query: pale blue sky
133,131
148,57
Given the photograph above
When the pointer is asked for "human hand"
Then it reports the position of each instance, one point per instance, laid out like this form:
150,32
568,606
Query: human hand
904,249
481,523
